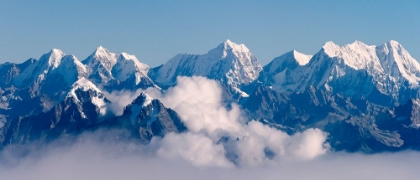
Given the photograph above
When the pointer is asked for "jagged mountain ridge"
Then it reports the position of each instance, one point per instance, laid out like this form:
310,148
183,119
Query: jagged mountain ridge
352,124
42,84
374,72
111,69
360,89
229,63
147,117
83,109
83,106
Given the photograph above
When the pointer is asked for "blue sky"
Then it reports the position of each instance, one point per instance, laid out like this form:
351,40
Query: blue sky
155,31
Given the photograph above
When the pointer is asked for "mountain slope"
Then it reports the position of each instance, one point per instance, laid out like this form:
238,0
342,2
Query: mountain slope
229,63
281,69
8,72
366,97
116,71
147,117
40,84
352,124
83,106
386,74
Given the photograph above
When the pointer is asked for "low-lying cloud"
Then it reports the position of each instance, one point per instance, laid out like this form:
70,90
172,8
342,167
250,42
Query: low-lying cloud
221,143
229,137
220,136
120,99
92,158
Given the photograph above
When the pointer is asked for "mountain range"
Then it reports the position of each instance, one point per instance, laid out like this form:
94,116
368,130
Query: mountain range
365,97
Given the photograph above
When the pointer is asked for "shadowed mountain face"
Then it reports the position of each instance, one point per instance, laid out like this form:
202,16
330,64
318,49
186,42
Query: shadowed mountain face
82,112
352,124
365,97
146,117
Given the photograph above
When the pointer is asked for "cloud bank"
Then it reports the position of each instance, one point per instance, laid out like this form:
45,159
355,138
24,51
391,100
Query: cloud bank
107,160
220,144
220,136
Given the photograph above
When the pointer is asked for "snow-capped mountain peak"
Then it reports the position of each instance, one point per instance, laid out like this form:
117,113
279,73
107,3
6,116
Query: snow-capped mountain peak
38,69
301,58
128,56
223,50
357,55
101,57
228,44
354,69
84,85
84,90
53,58
394,43
330,47
99,65
144,99
141,102
101,52
396,60
291,60
71,69
128,65
333,50
231,63
388,59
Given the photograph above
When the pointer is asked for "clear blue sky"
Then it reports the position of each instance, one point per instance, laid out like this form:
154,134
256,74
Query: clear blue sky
155,31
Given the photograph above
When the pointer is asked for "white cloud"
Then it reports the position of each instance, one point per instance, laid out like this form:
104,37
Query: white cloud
94,159
199,102
120,99
195,148
250,149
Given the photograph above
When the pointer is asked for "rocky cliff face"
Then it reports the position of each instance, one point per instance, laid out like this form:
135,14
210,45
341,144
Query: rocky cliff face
233,65
146,117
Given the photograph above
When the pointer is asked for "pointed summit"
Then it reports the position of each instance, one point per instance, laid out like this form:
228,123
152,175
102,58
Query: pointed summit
329,44
232,64
229,45
387,69
128,66
101,52
397,62
53,58
394,43
85,92
100,63
56,51
143,99
301,58
126,56
357,42
85,85
228,41
291,60
101,49
330,48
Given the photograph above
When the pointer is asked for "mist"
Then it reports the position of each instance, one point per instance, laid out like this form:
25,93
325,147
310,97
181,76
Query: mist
92,158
